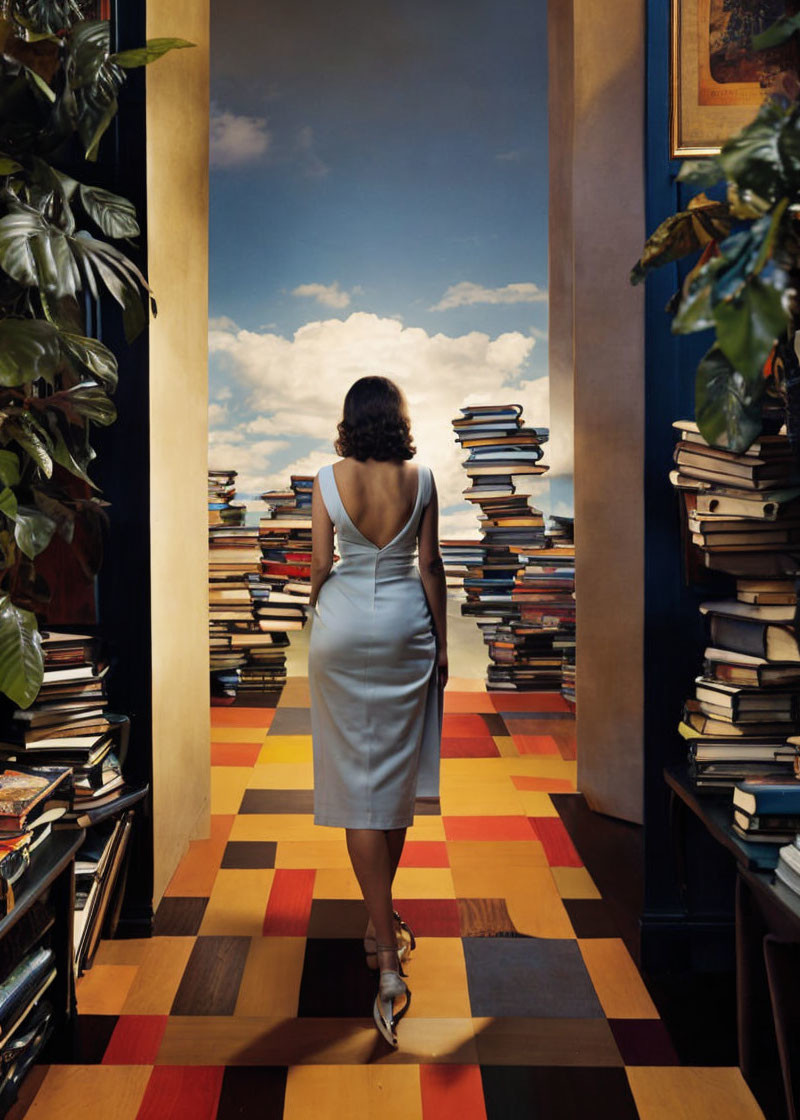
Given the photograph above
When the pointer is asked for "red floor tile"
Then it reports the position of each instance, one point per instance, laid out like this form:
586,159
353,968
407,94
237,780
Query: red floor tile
469,748
547,785
425,853
431,917
468,702
557,845
234,754
529,702
451,1092
135,1040
535,744
466,726
488,828
289,905
182,1093
242,717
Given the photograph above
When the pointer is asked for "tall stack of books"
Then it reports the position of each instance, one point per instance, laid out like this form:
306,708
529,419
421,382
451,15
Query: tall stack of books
561,536
458,557
787,871
222,509
743,518
242,656
285,536
501,448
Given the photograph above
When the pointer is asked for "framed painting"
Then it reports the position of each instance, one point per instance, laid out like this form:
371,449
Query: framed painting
717,80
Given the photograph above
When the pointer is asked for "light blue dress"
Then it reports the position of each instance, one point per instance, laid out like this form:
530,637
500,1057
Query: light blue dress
376,715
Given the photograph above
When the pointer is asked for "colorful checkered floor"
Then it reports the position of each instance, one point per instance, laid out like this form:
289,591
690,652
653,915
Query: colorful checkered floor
253,1000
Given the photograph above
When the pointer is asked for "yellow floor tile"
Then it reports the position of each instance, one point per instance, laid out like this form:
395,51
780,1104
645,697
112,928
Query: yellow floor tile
313,853
276,826
285,748
238,902
616,980
81,1092
535,906
197,871
228,784
335,882
295,694
689,1093
478,787
537,804
505,744
541,766
125,951
426,827
158,977
282,775
574,882
438,980
333,1092
495,856
423,882
433,1040
104,988
238,734
271,981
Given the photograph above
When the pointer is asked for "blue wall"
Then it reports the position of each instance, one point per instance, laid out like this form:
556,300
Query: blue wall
674,636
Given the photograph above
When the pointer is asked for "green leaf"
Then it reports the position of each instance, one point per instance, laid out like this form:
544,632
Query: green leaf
701,172
134,316
94,356
41,84
33,531
87,400
683,233
8,503
781,30
727,405
47,16
31,438
8,165
21,661
748,326
94,79
62,515
29,349
153,50
764,157
64,457
115,215
9,468
695,312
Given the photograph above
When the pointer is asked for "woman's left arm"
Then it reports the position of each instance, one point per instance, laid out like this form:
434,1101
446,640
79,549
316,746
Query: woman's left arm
321,542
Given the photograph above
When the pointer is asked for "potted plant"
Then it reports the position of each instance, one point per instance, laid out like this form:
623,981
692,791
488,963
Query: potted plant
61,240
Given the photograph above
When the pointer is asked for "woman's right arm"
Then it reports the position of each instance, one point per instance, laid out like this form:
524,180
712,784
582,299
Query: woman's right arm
431,570
321,542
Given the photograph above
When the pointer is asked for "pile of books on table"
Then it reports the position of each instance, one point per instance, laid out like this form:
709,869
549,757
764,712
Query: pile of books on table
743,518
501,448
285,536
234,567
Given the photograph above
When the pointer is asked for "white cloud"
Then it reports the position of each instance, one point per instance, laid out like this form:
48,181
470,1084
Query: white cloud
512,156
236,139
229,450
329,295
305,150
221,323
217,413
295,386
466,293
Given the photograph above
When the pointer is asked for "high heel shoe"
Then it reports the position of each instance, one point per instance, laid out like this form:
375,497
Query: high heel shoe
390,988
371,951
406,928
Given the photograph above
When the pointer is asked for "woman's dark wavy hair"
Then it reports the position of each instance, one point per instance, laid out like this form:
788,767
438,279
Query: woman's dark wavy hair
375,423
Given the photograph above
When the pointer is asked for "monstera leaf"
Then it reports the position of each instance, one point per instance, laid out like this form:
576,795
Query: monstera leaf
85,401
764,157
749,324
727,404
45,16
115,215
21,661
92,355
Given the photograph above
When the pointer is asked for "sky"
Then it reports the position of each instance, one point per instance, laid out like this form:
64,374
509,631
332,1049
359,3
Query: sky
378,205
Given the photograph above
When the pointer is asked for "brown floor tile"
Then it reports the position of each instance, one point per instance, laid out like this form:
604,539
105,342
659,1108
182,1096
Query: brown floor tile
198,868
79,1092
271,980
103,989
545,1042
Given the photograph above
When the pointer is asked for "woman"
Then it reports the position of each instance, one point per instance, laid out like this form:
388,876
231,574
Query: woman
377,661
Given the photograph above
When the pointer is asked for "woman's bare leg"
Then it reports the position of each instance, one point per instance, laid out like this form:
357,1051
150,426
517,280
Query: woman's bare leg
396,838
370,855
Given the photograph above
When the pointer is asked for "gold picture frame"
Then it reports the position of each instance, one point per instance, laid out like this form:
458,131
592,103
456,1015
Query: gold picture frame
716,82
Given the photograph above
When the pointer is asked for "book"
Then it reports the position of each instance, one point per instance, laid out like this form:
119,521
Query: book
766,796
26,792
760,638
